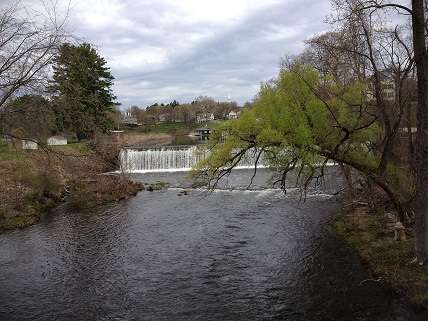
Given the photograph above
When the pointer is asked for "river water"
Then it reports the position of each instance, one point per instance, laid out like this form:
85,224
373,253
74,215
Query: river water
226,255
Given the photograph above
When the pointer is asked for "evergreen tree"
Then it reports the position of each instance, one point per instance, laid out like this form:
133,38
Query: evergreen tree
82,91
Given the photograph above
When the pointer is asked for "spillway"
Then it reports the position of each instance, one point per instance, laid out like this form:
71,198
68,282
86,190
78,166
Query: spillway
169,158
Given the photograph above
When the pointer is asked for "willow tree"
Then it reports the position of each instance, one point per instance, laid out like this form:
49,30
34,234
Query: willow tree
300,122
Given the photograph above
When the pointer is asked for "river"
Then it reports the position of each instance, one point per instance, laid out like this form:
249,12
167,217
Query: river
226,255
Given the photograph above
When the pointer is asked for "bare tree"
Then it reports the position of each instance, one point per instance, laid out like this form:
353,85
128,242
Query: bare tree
417,12
28,42
364,47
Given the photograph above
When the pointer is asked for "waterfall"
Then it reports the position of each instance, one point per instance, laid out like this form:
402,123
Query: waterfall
173,158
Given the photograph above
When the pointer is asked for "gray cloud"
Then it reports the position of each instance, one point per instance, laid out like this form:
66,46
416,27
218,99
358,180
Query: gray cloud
160,50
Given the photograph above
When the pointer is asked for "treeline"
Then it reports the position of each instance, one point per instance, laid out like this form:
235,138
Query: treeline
186,113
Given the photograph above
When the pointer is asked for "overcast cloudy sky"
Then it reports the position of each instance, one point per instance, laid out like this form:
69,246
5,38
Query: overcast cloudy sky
160,50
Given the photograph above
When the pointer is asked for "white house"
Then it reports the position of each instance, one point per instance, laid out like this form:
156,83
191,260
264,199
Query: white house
130,121
204,117
406,130
57,140
29,145
388,87
233,115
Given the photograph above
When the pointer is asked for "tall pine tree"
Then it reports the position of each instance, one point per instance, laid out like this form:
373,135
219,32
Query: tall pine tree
82,91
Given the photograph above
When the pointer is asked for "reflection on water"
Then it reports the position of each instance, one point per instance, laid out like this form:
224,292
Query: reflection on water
227,255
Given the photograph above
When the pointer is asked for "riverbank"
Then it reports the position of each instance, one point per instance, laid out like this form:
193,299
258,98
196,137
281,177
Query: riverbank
34,182
388,260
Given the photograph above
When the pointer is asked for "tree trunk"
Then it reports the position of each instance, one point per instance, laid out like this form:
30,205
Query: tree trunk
421,202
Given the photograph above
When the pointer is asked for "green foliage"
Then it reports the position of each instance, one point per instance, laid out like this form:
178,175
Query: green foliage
81,148
82,87
299,118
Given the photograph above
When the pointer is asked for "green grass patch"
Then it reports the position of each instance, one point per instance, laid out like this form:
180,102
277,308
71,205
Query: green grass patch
81,147
7,153
214,124
168,128
182,140
177,129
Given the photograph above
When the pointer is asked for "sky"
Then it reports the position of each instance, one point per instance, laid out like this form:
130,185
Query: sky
161,50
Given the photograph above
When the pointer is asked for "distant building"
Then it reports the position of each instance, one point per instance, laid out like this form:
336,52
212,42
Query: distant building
388,87
406,130
233,114
57,140
29,144
390,82
204,118
129,120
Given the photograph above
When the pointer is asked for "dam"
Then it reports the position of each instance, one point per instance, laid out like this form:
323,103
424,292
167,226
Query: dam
172,159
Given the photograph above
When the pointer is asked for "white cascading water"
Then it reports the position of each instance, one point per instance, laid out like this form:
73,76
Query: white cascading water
164,159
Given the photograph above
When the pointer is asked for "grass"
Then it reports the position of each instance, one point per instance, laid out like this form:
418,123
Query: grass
171,128
182,140
80,147
7,153
388,259
10,154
